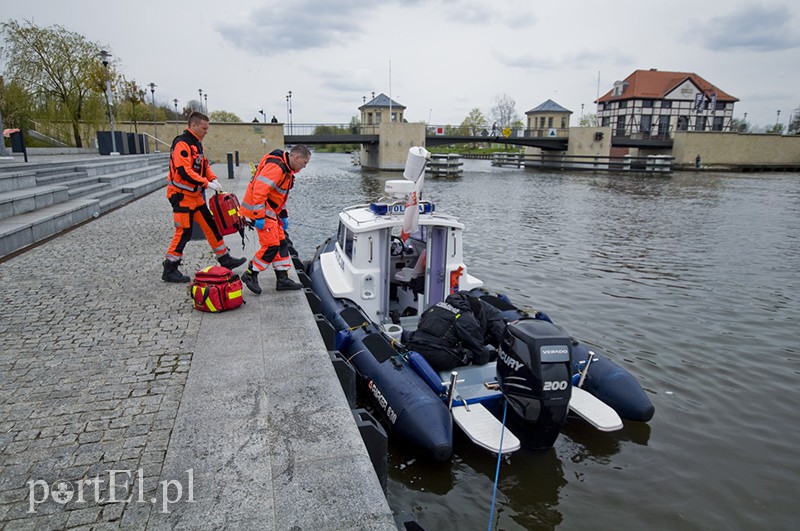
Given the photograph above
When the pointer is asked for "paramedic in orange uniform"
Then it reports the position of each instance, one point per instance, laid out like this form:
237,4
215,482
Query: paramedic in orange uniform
264,203
190,174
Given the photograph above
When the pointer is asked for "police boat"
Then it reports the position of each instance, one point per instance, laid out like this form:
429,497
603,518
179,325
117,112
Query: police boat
395,257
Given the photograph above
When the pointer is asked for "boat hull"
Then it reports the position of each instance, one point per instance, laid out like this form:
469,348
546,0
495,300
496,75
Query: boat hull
408,405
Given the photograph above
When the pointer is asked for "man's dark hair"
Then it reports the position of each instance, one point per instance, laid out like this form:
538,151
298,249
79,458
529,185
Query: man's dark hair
301,151
197,117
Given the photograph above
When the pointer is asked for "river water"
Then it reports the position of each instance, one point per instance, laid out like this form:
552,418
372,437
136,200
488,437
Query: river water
690,281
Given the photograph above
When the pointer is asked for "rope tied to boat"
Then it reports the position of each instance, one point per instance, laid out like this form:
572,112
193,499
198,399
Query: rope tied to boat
356,354
364,325
497,470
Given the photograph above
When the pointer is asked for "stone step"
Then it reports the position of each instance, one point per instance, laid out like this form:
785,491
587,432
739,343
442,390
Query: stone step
18,202
26,229
62,176
87,189
117,196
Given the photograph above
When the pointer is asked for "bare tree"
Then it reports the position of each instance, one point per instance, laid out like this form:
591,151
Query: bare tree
504,111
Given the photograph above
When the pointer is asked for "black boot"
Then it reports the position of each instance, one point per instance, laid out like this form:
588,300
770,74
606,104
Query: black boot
231,263
171,273
285,283
250,279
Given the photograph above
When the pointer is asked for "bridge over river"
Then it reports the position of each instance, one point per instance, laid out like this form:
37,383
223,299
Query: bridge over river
545,139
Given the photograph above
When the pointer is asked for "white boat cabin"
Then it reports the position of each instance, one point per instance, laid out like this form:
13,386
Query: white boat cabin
391,280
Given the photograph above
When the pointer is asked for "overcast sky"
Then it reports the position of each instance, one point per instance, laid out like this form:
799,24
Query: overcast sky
439,58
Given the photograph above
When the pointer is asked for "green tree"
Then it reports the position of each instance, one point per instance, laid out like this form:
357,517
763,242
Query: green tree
224,116
15,105
739,125
474,123
776,129
132,96
588,120
56,67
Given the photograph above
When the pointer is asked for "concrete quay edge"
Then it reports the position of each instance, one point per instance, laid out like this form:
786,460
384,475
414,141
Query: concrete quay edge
105,367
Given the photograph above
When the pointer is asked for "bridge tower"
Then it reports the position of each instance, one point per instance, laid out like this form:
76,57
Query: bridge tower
384,117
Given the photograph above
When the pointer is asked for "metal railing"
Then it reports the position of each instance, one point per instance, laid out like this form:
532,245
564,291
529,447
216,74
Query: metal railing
483,133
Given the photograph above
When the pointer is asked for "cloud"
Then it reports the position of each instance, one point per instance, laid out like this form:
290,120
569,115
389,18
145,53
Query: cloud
305,24
575,61
755,27
509,14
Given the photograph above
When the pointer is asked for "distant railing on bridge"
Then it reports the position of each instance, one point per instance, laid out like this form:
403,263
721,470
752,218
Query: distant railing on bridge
487,133
482,133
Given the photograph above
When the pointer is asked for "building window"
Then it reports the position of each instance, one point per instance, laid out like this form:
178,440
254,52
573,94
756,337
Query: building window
601,106
718,123
647,122
620,126
563,122
683,123
394,116
378,116
700,124
606,120
623,105
369,118
647,104
663,125
549,122
665,104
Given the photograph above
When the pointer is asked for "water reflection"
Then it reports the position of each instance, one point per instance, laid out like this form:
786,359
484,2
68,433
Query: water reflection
690,281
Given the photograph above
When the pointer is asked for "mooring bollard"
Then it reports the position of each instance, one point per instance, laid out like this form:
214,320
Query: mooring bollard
237,158
230,165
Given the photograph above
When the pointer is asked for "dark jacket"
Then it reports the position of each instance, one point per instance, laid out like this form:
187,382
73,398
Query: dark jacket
455,332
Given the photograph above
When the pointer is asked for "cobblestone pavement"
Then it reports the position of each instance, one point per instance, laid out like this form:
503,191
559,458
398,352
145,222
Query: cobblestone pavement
94,355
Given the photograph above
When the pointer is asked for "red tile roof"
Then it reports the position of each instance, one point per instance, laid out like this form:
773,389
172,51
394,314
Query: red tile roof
655,84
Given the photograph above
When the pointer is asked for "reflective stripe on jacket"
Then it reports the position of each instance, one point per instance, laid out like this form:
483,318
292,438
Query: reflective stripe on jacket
189,170
269,188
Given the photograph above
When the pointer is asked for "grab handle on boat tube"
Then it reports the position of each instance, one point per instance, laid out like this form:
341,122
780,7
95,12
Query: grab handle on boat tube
586,368
451,392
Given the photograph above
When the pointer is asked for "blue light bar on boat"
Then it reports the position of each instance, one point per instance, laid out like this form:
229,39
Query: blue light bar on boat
382,209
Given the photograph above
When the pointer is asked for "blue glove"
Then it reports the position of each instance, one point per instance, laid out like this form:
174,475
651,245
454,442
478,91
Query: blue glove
285,223
259,223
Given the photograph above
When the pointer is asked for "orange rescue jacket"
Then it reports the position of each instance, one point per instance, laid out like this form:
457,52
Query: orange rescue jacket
189,170
268,190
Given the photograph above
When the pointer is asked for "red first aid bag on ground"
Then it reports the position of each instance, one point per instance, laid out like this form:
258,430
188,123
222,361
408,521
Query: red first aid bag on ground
224,207
216,289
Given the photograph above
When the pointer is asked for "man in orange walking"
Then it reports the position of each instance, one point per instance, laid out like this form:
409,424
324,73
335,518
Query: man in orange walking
190,174
264,203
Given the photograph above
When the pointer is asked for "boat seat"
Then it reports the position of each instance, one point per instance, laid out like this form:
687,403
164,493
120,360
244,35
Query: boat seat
407,274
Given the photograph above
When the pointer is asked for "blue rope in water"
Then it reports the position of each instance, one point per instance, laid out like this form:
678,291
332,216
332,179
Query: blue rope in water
497,471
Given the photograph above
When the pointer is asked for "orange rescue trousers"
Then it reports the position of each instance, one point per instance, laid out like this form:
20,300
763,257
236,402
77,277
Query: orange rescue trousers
185,218
274,248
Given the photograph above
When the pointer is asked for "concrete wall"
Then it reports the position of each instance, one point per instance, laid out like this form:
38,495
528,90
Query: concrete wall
251,140
582,143
734,148
392,149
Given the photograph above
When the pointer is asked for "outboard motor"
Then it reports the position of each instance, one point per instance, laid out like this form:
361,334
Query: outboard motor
533,370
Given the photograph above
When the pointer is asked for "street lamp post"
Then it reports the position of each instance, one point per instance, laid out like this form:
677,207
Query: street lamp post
104,55
205,97
175,101
201,100
289,103
153,103
777,119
